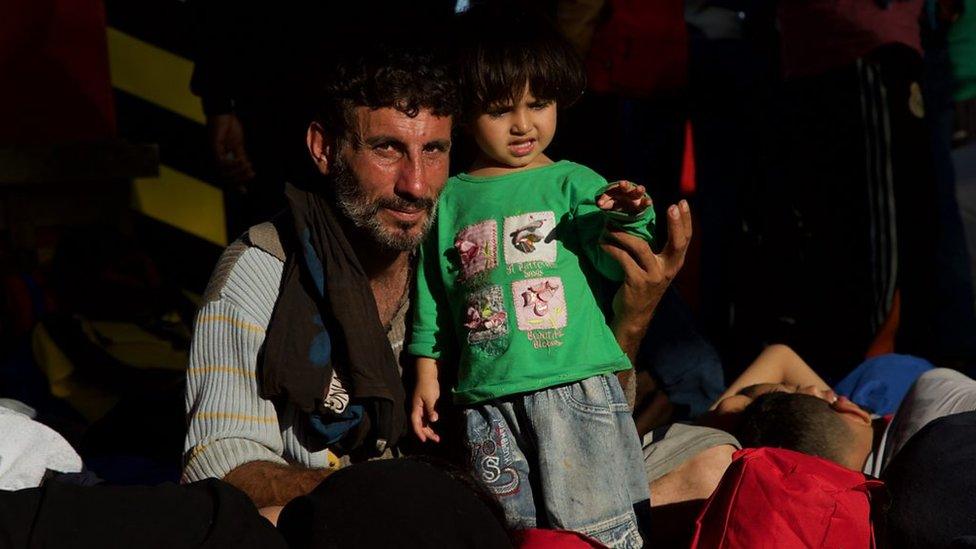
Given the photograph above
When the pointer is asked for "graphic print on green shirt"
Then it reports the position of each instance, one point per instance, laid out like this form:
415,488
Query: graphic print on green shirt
508,278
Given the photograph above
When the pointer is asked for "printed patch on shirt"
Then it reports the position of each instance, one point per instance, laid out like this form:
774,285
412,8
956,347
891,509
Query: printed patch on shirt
485,317
529,238
477,246
540,303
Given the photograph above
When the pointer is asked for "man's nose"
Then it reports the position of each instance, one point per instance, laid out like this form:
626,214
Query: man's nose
411,182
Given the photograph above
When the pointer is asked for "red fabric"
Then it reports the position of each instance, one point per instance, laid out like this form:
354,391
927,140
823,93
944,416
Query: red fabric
55,74
770,497
818,35
537,538
641,50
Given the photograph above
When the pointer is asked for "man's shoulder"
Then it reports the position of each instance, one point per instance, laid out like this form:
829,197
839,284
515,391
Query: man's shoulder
264,236
255,260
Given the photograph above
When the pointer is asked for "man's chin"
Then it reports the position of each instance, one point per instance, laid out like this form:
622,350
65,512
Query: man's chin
401,236
403,241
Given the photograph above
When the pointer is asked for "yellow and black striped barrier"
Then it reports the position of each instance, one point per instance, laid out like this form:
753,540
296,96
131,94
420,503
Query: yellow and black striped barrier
182,210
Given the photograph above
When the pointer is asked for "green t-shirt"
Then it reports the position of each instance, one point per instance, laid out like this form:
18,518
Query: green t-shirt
508,282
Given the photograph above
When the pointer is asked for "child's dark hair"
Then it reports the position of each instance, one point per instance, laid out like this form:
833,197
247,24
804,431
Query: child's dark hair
502,46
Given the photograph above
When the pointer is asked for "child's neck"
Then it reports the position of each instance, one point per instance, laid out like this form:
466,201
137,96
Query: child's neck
483,166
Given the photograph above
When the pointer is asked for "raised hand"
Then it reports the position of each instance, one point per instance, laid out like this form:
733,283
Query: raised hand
646,275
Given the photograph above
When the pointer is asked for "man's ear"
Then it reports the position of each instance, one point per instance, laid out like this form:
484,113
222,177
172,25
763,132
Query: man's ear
322,146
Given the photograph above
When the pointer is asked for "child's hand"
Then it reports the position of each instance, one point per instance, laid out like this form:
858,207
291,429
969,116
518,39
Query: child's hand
624,196
423,413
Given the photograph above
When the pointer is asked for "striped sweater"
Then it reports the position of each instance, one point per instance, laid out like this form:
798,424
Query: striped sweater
229,424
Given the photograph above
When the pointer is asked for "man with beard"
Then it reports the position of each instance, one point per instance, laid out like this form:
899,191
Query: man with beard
287,372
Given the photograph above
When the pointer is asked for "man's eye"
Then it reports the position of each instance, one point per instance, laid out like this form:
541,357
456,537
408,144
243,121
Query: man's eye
540,105
435,148
386,148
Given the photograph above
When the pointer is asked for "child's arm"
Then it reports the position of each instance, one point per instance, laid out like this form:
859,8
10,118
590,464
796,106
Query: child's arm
423,412
624,197
621,206
431,338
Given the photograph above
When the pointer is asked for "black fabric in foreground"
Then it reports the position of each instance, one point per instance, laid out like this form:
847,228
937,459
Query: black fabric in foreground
325,320
932,486
403,503
205,514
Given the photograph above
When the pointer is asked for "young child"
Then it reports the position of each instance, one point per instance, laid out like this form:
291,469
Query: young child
507,293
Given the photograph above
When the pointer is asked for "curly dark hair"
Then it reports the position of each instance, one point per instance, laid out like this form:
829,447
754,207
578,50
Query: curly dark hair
794,421
504,46
407,77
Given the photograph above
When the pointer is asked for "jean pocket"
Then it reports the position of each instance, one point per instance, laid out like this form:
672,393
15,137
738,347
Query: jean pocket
594,395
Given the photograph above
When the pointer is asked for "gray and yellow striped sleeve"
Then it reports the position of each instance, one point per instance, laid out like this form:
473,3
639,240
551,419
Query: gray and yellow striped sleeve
229,424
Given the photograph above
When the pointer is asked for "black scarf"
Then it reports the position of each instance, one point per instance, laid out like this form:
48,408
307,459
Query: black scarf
326,320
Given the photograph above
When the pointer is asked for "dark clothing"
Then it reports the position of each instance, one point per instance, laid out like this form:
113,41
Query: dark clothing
955,330
394,503
324,290
687,367
858,183
204,514
931,487
732,81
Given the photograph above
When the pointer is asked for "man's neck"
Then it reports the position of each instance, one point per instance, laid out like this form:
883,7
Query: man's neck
388,271
379,262
878,426
381,266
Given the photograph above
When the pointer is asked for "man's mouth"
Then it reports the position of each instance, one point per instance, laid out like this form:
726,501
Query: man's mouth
521,147
407,214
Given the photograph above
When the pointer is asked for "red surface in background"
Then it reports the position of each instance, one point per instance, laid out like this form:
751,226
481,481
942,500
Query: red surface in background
641,50
54,76
688,163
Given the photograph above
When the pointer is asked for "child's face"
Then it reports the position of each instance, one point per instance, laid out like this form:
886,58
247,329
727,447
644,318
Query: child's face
514,136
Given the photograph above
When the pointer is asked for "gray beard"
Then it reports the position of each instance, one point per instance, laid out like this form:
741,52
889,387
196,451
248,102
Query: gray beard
363,213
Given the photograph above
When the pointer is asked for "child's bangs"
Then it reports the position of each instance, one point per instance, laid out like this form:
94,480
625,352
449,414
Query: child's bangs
502,74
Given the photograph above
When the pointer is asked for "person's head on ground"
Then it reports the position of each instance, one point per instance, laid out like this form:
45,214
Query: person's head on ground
382,136
515,71
727,411
839,431
395,503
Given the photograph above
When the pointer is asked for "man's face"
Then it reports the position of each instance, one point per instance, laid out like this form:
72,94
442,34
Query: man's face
389,171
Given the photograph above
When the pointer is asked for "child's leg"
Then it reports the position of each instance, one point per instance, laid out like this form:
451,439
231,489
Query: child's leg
590,464
493,439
